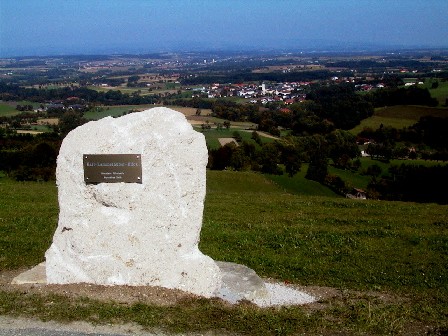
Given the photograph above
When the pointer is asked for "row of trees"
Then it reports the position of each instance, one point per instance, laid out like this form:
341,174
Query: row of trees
427,139
414,183
288,154
28,158
112,97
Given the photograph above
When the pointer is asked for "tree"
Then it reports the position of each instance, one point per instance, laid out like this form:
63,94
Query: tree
237,136
221,158
269,159
342,147
69,121
239,161
374,170
317,148
256,137
290,157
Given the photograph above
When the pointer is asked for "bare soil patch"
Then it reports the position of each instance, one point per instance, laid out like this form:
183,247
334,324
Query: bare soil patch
121,294
29,132
48,121
225,141
167,297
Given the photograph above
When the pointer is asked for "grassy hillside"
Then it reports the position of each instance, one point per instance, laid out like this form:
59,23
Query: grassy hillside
298,185
325,240
394,254
399,116
440,93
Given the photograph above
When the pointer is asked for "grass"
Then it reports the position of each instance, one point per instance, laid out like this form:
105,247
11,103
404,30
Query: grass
399,116
8,108
355,180
114,111
28,218
441,92
397,250
298,185
212,136
306,239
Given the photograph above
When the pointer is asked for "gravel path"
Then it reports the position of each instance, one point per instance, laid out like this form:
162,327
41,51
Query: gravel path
27,327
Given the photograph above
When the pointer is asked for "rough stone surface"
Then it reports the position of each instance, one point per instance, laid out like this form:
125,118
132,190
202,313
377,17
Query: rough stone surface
35,275
129,233
239,282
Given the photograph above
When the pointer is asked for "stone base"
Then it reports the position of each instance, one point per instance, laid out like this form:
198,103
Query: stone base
36,275
238,283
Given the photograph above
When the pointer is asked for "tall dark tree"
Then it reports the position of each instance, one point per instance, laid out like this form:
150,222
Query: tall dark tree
318,153
342,145
69,121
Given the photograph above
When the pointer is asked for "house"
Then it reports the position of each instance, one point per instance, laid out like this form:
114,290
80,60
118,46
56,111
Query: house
357,194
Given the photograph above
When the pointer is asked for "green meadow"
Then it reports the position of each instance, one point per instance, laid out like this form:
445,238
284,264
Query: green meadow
387,260
8,109
213,135
399,116
441,92
113,111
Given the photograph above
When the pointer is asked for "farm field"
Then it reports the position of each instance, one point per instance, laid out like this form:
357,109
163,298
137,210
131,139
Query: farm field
399,116
382,264
8,108
143,91
212,136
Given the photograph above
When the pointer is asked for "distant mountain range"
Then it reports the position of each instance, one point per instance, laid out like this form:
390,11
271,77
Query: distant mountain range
283,45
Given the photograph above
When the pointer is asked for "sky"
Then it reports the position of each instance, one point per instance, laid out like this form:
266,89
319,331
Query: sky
61,27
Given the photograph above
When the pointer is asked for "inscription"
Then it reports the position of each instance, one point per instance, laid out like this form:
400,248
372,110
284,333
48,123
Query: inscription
110,168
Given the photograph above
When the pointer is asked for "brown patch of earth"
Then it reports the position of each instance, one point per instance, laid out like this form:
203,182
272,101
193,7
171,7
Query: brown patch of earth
48,121
166,297
28,132
225,141
121,294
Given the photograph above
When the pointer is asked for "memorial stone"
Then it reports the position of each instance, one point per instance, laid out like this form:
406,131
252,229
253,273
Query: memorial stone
131,192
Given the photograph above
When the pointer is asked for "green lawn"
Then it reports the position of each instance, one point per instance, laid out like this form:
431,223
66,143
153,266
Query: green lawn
389,260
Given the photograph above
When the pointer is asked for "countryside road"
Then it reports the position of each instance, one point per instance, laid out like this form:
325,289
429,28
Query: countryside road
10,326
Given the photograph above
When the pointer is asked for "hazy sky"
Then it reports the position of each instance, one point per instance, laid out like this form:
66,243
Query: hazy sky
42,27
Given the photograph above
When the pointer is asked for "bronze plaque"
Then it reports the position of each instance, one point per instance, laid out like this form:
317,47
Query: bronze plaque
112,168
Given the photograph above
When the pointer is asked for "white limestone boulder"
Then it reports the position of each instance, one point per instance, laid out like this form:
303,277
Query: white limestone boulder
131,233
